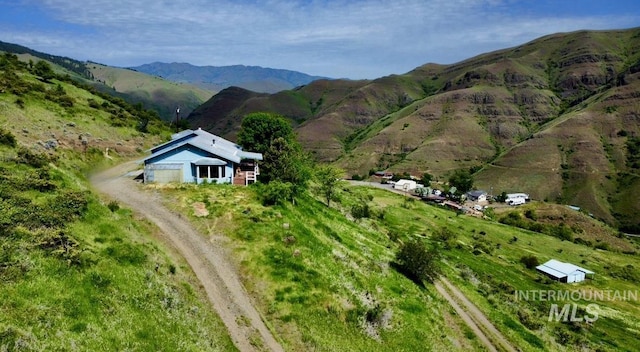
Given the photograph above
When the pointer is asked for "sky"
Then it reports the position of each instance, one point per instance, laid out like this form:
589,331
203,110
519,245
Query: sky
356,39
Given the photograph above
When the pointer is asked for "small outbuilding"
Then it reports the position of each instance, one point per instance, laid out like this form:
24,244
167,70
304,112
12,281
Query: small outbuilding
405,185
477,196
564,272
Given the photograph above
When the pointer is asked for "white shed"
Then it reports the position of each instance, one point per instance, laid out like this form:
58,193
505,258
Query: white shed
564,272
405,185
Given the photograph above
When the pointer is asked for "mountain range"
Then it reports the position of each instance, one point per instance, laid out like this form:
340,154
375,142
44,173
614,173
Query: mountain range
216,78
557,118
164,87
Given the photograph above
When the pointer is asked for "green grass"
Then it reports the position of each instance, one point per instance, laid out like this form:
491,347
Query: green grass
75,275
318,275
104,285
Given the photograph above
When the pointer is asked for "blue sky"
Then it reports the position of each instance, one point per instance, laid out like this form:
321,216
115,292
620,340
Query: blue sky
341,39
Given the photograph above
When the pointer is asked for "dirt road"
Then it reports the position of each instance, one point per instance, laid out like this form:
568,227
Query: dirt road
209,261
473,317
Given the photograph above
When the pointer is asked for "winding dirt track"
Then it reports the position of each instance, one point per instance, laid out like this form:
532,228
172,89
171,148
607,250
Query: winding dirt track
209,261
473,317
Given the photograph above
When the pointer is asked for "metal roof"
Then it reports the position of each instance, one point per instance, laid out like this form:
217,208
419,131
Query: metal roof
209,161
559,269
207,142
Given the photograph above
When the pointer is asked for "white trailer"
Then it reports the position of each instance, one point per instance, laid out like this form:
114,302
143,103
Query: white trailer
511,196
516,201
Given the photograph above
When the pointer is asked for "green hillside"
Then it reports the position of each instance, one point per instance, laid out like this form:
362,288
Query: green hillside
153,92
79,273
553,117
325,278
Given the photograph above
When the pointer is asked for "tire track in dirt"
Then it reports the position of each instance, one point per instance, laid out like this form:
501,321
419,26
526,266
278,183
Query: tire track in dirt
488,334
210,262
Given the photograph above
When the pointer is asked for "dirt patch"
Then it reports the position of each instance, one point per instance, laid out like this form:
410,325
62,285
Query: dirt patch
200,209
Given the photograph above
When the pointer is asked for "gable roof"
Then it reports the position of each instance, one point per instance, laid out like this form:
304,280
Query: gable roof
477,193
559,269
207,142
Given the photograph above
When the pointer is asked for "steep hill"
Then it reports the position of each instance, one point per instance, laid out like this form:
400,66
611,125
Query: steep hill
555,117
136,88
154,93
216,78
78,272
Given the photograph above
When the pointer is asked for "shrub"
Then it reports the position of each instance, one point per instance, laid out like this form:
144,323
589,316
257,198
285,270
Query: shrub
360,211
113,206
530,261
446,237
531,214
26,156
418,262
275,192
7,138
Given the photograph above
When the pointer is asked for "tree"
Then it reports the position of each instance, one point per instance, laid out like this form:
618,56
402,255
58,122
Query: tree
44,70
286,162
259,130
418,262
328,178
426,179
462,181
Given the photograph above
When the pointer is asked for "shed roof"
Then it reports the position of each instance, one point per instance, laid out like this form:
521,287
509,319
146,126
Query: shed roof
559,269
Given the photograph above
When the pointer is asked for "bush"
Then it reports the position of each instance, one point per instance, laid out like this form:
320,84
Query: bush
113,206
418,262
446,237
7,138
275,192
530,261
26,156
531,214
360,211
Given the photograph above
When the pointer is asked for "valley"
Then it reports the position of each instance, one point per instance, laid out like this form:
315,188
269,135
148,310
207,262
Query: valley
93,259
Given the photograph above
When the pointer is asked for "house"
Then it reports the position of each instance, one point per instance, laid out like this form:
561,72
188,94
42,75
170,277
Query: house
564,272
197,156
477,196
384,174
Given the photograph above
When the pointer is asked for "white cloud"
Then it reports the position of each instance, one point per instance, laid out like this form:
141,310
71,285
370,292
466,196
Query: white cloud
338,38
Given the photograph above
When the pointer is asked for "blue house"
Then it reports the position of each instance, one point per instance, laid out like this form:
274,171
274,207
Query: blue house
199,156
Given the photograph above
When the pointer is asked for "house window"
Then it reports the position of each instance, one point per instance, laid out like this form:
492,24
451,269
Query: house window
211,171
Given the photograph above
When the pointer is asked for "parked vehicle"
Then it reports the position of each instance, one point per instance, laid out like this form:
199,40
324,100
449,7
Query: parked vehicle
516,201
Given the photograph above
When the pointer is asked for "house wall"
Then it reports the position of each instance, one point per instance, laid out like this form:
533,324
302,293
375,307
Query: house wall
185,155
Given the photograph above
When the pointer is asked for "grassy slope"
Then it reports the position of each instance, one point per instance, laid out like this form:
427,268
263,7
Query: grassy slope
541,118
98,289
318,274
162,94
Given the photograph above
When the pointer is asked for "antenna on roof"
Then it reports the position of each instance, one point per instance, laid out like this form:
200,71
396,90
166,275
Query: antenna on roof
177,119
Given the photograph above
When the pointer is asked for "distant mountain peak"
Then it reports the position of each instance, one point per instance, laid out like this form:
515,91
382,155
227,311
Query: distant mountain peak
255,78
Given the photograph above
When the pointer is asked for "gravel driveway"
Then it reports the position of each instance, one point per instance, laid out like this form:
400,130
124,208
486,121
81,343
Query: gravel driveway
209,261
